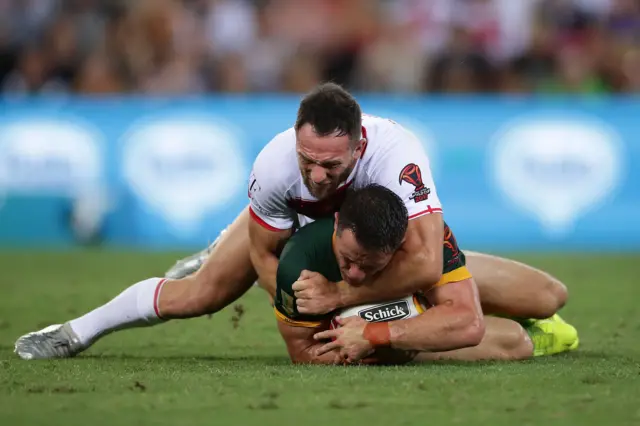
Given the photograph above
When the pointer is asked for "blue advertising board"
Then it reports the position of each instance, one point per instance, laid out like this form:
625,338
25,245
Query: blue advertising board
512,173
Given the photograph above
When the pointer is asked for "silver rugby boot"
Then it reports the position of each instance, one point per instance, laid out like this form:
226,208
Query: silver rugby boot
55,341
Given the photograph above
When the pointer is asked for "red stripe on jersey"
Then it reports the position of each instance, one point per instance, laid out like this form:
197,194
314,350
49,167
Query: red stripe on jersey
429,210
262,222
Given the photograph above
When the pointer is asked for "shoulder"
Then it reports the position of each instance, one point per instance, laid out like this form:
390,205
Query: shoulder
385,135
275,170
397,159
276,164
388,144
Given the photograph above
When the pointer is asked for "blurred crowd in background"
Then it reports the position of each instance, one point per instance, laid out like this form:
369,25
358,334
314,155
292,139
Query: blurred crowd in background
236,46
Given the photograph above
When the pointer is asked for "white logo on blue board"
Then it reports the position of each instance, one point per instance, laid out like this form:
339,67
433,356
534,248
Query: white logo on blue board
42,156
557,169
184,168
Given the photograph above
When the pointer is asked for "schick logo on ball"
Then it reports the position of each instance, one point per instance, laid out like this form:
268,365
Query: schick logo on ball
557,169
386,312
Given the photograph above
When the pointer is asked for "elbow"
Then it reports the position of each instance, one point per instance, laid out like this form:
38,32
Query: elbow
307,358
258,256
429,268
472,330
301,357
311,361
301,360
434,276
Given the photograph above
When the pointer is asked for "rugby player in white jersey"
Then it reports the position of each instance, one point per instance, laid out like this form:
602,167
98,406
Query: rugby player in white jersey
299,176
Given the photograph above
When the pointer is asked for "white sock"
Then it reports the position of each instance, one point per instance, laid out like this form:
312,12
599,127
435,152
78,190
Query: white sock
137,306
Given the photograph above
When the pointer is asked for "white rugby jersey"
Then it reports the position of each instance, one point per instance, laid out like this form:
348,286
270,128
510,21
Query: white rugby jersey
393,157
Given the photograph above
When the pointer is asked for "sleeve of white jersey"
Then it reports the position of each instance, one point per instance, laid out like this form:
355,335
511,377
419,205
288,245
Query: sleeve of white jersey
268,206
405,169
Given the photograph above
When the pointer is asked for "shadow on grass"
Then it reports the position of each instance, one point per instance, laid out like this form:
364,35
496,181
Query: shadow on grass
280,360
283,360
253,359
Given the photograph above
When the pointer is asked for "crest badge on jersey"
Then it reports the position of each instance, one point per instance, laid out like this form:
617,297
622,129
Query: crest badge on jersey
412,175
451,245
287,304
254,186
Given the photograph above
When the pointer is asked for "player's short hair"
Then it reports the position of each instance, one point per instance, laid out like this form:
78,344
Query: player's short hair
330,109
377,217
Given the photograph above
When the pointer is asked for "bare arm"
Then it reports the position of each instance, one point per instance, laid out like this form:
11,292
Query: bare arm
418,264
456,321
302,347
415,266
266,245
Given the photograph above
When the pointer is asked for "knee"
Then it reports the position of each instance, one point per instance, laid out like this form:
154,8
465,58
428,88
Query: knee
518,345
559,292
553,297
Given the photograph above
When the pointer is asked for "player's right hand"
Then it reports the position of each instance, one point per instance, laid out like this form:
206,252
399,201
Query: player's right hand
315,295
349,339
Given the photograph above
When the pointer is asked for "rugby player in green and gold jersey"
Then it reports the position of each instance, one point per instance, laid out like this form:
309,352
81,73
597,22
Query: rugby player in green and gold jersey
358,244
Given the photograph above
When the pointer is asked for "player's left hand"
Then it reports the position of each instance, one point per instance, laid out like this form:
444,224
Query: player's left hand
349,339
315,294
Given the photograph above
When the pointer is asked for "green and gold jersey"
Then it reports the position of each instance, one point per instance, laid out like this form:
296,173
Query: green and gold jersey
311,248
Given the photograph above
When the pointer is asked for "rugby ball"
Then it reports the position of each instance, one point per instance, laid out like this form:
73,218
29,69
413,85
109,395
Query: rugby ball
406,307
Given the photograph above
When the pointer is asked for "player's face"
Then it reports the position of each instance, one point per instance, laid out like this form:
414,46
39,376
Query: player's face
325,161
356,263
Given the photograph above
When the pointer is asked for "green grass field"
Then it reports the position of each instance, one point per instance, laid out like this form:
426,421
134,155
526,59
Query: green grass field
233,368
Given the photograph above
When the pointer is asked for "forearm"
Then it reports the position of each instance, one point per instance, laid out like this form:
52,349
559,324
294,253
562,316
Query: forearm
264,250
309,356
406,274
303,349
416,266
441,328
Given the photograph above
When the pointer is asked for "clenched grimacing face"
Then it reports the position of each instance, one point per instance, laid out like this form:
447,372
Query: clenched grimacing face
325,161
357,264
